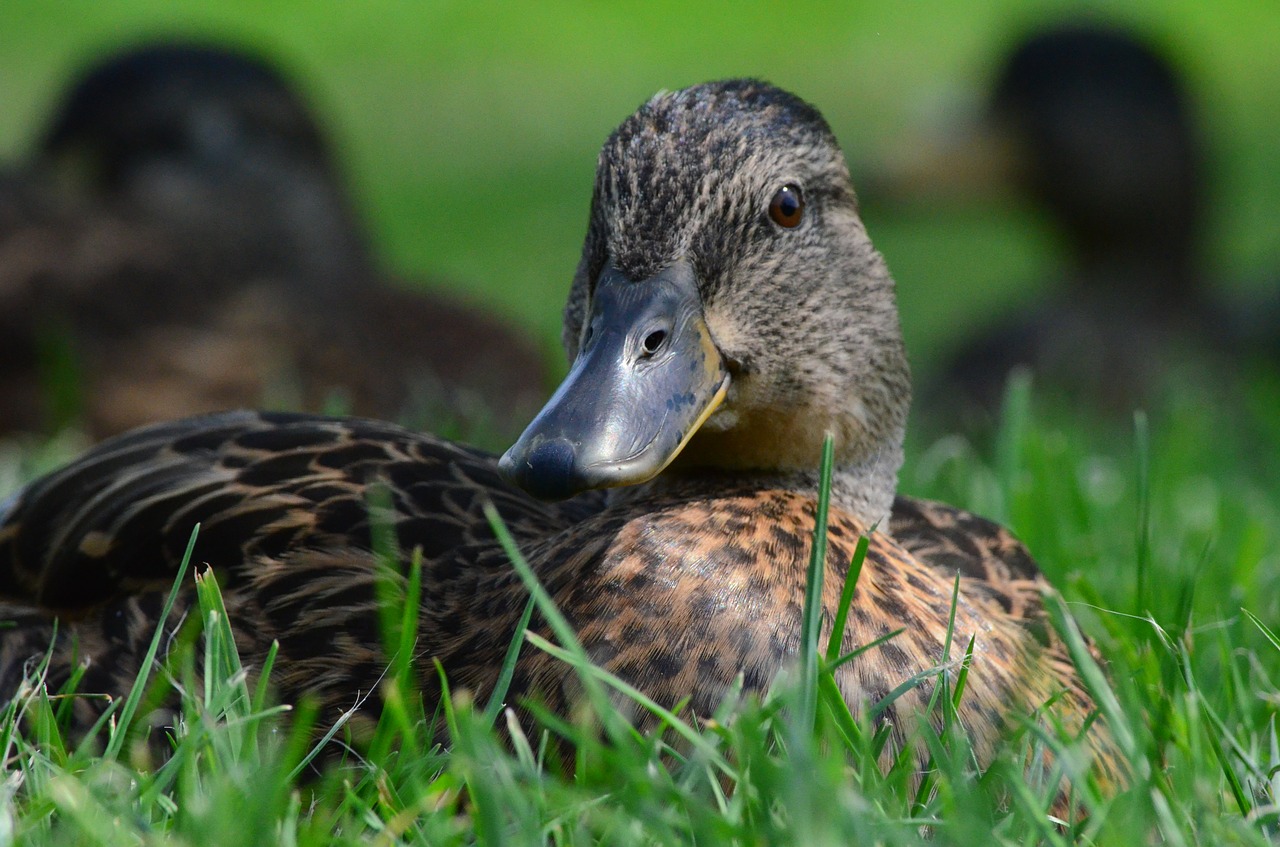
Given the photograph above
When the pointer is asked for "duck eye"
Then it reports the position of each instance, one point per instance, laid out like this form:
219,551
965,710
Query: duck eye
787,206
653,341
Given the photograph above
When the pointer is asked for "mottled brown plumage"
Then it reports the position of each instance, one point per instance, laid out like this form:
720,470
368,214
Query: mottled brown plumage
183,239
678,584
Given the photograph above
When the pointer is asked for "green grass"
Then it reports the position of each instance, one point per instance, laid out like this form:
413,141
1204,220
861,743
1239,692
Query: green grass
1165,549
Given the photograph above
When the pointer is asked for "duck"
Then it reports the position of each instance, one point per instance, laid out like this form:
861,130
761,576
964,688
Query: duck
1093,128
728,316
182,233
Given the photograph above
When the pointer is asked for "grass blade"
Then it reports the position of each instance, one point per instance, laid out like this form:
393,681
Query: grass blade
1142,448
499,695
811,618
118,734
1263,628
681,727
1095,681
870,645
846,598
613,724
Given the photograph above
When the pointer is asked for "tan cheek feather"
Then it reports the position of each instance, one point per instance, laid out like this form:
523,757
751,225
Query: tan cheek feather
781,436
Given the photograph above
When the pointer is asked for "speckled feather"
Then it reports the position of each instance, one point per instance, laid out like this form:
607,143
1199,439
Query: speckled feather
678,593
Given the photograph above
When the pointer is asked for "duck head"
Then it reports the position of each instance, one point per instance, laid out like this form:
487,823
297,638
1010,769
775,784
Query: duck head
210,139
1103,134
728,311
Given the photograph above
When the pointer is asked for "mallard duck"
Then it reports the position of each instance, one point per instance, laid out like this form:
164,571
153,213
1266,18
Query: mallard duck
212,140
1093,125
728,313
195,251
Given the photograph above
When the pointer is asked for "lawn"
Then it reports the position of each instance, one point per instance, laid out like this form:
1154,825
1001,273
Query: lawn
470,140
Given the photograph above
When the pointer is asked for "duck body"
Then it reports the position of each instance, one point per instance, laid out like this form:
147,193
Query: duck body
729,314
678,592
1094,126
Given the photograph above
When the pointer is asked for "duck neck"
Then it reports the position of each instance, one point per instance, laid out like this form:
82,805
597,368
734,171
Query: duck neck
866,488
863,487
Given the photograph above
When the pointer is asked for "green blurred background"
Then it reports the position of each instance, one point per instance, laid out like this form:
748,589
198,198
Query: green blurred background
469,130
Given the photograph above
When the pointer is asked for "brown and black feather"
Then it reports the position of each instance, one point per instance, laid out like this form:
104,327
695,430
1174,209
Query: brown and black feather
678,593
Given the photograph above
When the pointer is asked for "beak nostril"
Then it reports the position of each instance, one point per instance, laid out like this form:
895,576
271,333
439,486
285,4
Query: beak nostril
653,341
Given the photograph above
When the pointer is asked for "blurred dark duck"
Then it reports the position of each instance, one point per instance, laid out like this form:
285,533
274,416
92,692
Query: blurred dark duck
197,251
729,311
1094,124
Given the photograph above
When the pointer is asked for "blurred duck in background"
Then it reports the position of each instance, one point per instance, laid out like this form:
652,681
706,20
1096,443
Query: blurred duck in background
1094,125
182,243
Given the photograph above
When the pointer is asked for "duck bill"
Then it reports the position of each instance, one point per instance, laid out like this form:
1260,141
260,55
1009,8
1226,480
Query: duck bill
646,378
